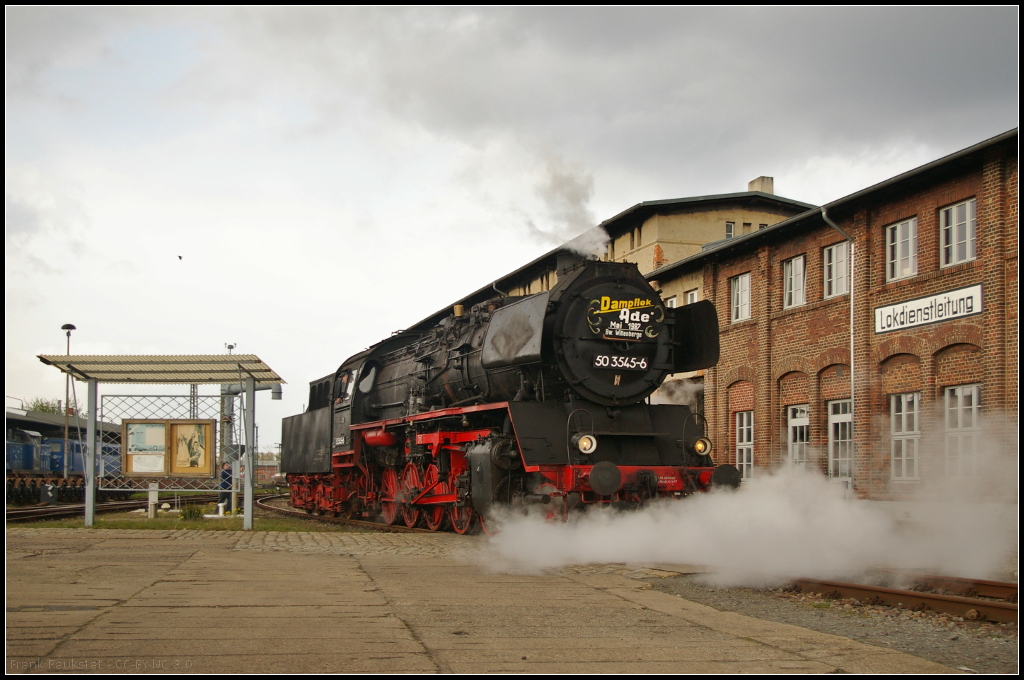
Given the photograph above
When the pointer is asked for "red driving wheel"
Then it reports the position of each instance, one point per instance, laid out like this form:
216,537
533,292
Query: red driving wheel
389,492
462,519
411,487
433,515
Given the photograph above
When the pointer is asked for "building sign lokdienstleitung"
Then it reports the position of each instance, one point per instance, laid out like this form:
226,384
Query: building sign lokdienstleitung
953,304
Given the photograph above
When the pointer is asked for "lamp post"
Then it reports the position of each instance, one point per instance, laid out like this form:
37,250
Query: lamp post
67,396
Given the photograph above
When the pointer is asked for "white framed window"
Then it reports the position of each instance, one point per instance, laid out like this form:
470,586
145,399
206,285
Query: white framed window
670,301
690,296
745,443
740,288
963,431
959,225
798,427
840,439
837,269
794,282
905,434
730,229
901,250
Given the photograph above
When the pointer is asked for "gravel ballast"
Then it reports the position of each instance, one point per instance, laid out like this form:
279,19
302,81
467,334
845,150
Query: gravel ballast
971,646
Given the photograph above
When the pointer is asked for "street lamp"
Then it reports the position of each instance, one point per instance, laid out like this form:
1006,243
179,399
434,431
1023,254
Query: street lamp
67,396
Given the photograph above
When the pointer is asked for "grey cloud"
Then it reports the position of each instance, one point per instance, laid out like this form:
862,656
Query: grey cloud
656,88
22,222
21,219
693,95
39,38
36,205
565,191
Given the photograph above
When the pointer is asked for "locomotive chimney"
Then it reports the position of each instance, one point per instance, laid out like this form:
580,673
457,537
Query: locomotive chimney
566,261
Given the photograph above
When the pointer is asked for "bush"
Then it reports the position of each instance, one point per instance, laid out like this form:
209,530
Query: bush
192,512
43,405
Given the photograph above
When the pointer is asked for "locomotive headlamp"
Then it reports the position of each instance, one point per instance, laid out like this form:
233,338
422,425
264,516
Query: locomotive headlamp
702,446
586,443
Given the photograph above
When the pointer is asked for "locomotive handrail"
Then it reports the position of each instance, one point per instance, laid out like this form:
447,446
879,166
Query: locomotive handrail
695,415
610,433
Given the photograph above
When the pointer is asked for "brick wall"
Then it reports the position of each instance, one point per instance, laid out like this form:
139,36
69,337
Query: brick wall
801,355
901,373
741,398
794,389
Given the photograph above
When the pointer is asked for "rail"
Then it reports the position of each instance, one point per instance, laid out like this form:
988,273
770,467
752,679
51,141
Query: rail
362,524
56,511
989,600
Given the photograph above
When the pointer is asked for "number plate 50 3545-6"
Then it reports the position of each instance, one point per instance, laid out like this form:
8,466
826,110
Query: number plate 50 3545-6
621,363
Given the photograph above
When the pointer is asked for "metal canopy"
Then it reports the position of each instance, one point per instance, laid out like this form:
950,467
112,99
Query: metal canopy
201,369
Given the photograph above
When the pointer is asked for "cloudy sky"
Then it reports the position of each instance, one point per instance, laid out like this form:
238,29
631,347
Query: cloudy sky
303,182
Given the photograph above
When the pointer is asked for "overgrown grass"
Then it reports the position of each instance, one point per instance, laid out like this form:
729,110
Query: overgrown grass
172,521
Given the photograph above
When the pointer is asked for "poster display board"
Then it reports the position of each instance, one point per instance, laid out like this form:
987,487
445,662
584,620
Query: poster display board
177,448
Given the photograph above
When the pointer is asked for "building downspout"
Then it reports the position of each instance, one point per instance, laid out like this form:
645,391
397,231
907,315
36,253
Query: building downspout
853,399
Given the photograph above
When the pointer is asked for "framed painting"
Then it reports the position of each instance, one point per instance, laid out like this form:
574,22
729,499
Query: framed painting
192,448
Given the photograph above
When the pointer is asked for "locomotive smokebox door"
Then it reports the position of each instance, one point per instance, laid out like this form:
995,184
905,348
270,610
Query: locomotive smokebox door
610,333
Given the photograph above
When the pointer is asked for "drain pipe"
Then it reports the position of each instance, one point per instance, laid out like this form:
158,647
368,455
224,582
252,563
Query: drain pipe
853,401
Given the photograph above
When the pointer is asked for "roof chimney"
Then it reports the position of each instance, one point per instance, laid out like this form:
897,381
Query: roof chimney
763,184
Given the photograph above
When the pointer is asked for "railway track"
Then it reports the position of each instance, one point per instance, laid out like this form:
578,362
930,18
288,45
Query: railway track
989,600
56,511
264,504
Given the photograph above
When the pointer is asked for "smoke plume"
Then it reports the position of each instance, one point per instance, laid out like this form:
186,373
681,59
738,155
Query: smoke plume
590,243
683,392
566,191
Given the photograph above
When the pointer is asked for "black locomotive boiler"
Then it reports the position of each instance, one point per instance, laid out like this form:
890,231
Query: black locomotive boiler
537,399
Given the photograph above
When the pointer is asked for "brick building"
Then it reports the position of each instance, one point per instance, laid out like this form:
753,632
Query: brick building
934,359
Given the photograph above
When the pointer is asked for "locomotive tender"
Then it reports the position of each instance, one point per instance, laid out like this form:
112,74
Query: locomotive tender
536,399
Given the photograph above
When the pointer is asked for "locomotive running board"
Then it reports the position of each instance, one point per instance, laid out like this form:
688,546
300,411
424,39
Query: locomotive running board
429,415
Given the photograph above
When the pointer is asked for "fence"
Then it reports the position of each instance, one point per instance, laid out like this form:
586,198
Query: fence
224,410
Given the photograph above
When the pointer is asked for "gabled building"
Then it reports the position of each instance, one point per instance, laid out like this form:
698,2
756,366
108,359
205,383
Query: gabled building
655,233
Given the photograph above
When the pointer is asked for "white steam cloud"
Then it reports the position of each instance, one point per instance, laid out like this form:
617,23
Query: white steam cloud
590,243
566,191
684,392
780,526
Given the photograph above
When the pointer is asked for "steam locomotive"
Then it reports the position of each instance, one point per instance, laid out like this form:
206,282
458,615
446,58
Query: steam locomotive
515,400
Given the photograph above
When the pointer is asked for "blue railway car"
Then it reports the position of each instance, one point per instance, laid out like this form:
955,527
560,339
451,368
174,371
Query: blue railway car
33,461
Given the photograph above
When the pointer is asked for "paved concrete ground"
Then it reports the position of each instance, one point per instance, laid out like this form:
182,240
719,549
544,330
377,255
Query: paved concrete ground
83,600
